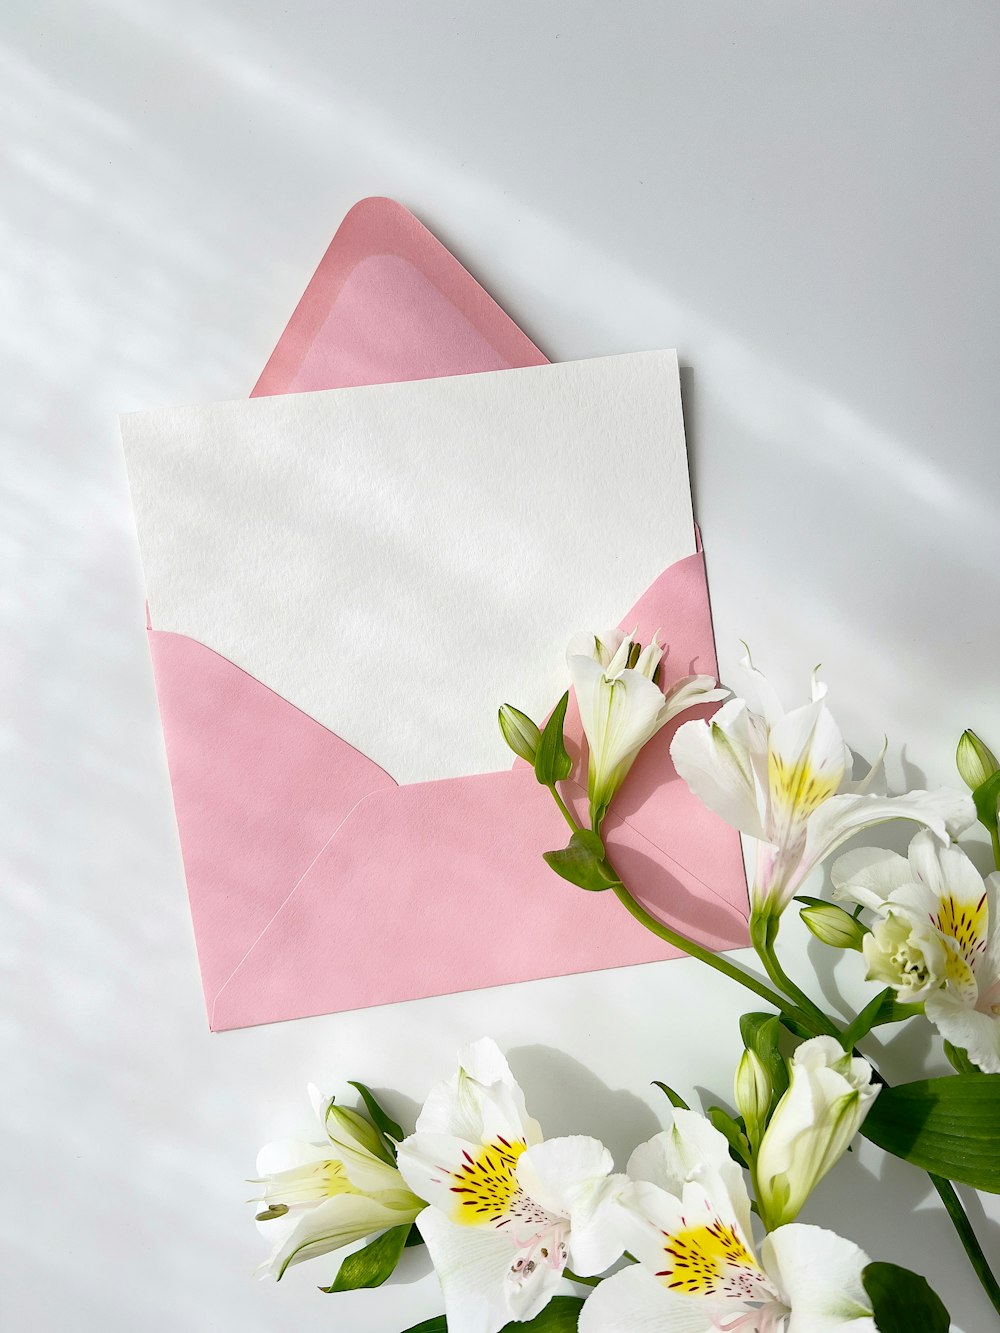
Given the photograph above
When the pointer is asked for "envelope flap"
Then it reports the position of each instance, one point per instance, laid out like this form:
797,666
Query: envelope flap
390,303
258,789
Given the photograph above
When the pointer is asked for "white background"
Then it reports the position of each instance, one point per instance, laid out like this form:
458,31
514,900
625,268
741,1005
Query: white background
801,198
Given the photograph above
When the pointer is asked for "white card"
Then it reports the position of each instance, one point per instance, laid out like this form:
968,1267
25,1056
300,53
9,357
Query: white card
398,560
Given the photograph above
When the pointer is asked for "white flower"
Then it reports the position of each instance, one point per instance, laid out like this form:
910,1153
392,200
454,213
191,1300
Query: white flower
937,938
622,707
508,1211
783,778
686,1218
320,1197
812,1126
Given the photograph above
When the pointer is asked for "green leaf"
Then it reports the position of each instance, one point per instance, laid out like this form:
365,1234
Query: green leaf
739,1147
987,798
582,862
891,1011
370,1266
561,1315
383,1122
959,1059
948,1126
761,1033
552,761
903,1302
674,1098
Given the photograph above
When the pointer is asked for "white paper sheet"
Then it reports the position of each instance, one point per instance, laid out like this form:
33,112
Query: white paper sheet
399,560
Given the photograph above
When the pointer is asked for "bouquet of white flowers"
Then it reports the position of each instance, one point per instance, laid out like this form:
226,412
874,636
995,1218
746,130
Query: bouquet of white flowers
700,1232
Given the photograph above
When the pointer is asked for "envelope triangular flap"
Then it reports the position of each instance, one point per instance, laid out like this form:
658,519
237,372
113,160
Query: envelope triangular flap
390,303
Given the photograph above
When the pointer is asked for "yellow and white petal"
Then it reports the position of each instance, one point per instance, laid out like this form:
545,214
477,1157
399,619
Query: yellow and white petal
479,1103
867,875
967,1027
716,761
632,1301
962,909
818,1275
485,1278
805,766
694,1245
472,1184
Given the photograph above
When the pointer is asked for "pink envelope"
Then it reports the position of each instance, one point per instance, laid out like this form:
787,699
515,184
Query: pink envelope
319,884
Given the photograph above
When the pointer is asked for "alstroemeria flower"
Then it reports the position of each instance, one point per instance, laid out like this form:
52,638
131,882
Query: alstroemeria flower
937,938
622,707
811,1128
686,1219
508,1211
319,1197
784,779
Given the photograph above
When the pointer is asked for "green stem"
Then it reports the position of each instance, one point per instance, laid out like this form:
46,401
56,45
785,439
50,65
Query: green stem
865,1021
566,813
960,1221
763,933
688,946
995,836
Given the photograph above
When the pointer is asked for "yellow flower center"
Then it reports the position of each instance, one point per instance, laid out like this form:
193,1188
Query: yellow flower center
486,1184
711,1260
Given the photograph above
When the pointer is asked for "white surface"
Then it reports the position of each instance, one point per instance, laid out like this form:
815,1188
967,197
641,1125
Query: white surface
800,197
340,545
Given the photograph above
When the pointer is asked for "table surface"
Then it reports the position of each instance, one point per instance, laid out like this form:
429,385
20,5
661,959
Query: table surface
800,198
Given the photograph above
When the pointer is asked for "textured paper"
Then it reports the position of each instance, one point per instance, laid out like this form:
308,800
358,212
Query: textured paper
397,560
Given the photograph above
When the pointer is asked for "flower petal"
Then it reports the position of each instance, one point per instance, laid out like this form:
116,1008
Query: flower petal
288,1155
868,875
670,1158
690,692
805,768
715,760
696,1244
962,907
474,1266
479,1103
944,811
551,1171
819,1275
965,1027
469,1182
632,1301
329,1226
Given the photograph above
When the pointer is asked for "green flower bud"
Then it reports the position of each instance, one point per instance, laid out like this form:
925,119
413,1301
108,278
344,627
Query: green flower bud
752,1091
519,732
833,926
976,762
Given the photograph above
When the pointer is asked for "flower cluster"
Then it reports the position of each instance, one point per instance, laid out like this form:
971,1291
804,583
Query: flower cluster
700,1233
509,1214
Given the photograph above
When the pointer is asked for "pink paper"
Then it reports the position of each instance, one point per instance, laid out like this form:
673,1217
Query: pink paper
316,883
